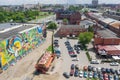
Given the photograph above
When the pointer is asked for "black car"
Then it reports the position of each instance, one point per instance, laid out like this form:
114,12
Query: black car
76,74
77,51
107,70
89,68
73,55
112,71
65,74
75,47
103,70
72,66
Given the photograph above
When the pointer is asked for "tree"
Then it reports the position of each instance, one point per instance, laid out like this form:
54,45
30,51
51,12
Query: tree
65,21
2,17
52,25
90,29
85,38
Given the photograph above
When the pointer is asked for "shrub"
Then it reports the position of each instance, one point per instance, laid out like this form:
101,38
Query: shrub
88,56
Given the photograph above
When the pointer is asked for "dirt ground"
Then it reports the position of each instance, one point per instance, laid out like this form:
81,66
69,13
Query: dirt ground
23,69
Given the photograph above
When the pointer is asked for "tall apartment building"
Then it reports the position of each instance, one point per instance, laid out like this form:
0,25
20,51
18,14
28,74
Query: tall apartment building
95,2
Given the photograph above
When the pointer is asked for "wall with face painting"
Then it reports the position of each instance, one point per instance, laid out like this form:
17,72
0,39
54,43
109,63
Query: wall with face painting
18,45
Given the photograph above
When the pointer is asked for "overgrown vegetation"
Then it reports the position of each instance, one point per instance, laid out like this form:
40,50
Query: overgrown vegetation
65,21
20,16
52,25
88,56
49,48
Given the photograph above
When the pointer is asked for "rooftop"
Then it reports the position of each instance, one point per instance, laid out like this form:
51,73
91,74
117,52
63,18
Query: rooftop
107,33
110,49
14,31
108,20
116,24
7,25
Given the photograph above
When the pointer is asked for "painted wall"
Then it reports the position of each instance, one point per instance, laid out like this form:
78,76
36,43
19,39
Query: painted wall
15,47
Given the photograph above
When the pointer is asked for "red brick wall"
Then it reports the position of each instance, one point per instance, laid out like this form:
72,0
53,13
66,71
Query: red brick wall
106,41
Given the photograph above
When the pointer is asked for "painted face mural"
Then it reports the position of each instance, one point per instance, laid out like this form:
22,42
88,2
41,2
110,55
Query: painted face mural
13,46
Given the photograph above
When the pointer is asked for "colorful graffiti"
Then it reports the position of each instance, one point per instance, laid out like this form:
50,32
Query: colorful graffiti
17,46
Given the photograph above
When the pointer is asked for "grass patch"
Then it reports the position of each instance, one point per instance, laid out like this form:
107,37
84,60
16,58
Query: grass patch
49,48
88,56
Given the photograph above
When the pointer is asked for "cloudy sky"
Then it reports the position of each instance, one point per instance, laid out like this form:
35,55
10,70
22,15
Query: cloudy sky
12,2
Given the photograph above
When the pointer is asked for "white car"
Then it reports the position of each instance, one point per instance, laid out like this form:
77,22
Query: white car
95,61
90,74
114,64
81,74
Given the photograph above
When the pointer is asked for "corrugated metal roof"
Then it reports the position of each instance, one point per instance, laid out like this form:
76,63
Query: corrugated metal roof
116,24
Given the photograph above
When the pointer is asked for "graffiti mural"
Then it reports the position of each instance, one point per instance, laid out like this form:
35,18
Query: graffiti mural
17,46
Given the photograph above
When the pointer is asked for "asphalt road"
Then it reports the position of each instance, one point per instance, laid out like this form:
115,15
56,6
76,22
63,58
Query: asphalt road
83,61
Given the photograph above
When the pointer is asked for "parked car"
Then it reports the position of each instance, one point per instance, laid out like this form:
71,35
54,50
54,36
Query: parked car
98,69
85,74
103,70
71,72
81,74
73,55
114,64
76,73
75,59
65,74
90,74
85,68
105,76
107,70
118,72
72,66
116,77
76,66
101,76
112,71
89,68
95,75
55,40
110,77
95,61
75,47
94,69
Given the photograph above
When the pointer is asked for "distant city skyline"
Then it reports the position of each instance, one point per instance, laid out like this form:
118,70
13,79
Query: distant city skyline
19,2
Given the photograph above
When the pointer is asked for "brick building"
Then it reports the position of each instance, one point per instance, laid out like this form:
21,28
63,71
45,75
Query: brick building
70,30
107,46
73,17
73,30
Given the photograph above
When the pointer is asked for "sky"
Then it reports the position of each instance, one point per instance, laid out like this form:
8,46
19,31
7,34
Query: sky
19,2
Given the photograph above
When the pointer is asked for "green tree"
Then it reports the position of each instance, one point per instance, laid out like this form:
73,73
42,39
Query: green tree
90,29
65,21
2,17
85,38
52,25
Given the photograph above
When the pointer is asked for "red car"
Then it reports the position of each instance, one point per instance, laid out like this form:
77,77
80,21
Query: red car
71,72
105,76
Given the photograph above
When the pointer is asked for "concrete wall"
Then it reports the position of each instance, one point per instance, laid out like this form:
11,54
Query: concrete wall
15,47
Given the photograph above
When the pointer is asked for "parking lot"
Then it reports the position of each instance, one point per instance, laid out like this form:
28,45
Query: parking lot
66,62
